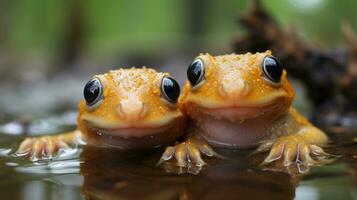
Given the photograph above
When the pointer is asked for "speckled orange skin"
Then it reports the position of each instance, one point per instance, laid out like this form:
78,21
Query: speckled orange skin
208,95
236,82
132,114
237,106
142,85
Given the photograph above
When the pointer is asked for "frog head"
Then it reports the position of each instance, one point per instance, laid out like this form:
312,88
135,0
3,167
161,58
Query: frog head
237,87
131,108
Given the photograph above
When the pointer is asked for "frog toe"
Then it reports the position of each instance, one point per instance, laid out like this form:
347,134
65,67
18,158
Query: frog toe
276,152
40,148
185,154
264,146
295,151
318,151
194,154
35,153
188,154
181,155
172,152
303,155
25,147
167,155
290,153
290,149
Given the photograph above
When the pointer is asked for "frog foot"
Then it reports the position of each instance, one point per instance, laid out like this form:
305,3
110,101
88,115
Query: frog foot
188,153
294,149
41,148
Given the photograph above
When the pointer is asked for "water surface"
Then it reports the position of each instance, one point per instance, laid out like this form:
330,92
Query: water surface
94,173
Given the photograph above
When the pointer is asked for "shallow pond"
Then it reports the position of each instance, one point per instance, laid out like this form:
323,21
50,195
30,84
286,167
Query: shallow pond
94,173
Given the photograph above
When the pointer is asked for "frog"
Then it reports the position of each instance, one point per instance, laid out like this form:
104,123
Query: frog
128,108
243,101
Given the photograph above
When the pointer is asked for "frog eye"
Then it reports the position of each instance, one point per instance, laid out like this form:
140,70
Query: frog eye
196,72
93,92
272,69
170,89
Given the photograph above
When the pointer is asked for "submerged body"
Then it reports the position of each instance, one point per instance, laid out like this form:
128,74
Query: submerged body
243,101
126,108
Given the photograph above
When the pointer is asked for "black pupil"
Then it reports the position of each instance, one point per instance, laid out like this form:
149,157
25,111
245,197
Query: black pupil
195,72
171,89
92,91
273,68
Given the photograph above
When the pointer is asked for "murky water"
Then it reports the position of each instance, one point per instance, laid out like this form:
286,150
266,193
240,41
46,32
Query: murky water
94,173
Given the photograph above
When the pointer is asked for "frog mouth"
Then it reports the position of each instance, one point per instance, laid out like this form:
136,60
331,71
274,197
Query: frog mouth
129,130
240,112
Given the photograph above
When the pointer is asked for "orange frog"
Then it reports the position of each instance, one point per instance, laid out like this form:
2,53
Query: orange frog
243,101
127,108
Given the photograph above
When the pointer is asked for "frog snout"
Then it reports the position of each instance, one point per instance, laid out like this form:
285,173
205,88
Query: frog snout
234,88
132,109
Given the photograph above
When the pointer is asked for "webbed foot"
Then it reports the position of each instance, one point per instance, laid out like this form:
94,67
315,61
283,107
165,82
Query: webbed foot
188,153
294,149
41,148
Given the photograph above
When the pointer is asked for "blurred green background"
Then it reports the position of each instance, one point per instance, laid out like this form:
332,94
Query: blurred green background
48,48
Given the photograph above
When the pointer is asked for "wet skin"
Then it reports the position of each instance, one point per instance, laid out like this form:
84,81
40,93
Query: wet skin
233,101
244,101
126,108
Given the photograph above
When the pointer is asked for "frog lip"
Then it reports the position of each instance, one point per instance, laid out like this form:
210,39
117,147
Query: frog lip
129,130
241,111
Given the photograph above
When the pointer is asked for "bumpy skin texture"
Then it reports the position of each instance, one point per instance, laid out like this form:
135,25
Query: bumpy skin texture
236,106
132,114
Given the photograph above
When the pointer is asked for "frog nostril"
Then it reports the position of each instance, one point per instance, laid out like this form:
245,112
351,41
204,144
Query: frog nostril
144,110
221,90
121,110
246,89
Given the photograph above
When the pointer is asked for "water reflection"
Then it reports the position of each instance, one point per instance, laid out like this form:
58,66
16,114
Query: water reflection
110,174
97,173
